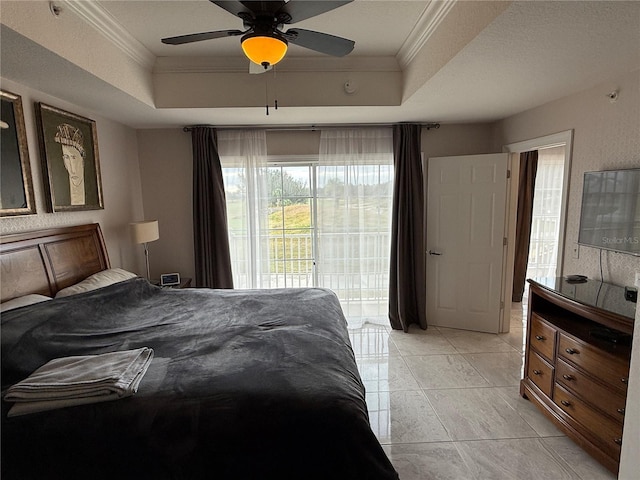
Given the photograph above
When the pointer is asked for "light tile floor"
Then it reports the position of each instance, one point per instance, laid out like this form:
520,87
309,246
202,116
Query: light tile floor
445,404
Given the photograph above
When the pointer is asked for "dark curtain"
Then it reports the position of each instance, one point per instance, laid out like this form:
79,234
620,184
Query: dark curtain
211,241
407,270
526,187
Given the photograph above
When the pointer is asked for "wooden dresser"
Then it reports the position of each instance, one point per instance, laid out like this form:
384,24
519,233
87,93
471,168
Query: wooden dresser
578,348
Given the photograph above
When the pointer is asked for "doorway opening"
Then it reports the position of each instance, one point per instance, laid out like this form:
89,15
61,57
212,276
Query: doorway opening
547,241
547,213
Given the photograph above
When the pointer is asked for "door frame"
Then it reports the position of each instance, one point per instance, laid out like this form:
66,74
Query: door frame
554,140
311,161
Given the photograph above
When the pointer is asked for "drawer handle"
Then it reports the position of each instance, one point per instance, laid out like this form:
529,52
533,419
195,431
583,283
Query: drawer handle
539,337
565,403
568,377
571,351
624,380
537,372
617,441
621,411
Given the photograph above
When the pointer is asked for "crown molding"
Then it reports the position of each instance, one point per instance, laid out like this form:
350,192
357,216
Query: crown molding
100,19
289,64
426,25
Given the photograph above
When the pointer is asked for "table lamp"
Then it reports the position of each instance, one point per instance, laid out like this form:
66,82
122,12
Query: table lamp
145,232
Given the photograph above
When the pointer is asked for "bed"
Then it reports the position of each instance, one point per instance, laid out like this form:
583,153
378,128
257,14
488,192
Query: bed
243,384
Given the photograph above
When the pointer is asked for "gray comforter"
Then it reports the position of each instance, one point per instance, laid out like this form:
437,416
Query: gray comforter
244,385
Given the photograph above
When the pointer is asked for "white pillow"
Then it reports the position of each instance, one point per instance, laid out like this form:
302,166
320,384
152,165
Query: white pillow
22,301
97,280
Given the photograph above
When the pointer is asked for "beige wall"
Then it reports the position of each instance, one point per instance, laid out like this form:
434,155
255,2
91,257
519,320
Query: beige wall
606,136
455,139
458,139
166,172
629,460
301,142
118,150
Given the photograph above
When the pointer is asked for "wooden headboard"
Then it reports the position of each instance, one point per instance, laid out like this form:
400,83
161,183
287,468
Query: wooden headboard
46,261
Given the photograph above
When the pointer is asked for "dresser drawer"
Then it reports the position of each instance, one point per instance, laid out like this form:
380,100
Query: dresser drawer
606,430
592,392
540,372
598,363
543,337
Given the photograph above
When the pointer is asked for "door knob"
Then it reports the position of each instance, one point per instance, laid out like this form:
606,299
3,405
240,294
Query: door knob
431,252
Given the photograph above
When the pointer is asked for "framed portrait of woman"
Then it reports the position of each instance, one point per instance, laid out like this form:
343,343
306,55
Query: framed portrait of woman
70,160
16,184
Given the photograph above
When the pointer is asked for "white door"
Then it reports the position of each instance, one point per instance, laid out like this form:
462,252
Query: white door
466,201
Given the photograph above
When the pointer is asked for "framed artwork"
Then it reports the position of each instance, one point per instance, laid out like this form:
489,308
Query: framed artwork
70,162
16,184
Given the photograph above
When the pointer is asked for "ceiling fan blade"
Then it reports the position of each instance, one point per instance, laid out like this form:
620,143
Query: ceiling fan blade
198,37
303,9
248,7
320,42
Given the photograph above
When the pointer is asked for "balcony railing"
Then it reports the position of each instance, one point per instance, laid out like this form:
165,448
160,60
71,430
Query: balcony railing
355,267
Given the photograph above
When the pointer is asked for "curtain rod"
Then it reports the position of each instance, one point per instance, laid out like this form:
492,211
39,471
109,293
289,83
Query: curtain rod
312,128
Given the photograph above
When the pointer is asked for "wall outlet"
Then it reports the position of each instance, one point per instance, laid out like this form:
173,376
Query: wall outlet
631,294
576,251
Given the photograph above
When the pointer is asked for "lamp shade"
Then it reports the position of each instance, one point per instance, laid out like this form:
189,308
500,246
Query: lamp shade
143,232
264,49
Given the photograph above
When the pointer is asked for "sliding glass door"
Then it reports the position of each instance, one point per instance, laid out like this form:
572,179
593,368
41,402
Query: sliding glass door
322,226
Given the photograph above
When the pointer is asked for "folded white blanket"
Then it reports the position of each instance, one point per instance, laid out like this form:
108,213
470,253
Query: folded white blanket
79,380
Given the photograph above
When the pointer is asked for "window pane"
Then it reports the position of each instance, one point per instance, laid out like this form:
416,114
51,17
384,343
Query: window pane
297,216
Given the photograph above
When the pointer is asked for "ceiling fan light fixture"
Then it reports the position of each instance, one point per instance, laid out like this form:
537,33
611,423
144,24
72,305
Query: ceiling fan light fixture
264,49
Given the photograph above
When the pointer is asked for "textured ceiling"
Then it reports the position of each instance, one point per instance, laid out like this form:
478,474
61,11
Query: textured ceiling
536,52
379,28
531,53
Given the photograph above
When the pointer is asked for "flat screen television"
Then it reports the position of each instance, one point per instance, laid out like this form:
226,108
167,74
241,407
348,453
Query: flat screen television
610,216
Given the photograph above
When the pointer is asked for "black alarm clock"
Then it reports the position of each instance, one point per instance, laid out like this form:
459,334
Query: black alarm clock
169,279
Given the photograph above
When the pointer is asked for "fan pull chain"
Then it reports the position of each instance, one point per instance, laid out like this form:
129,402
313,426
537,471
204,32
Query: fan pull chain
266,91
275,88
266,94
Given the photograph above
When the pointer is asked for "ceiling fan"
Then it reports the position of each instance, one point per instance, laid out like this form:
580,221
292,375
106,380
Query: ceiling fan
263,40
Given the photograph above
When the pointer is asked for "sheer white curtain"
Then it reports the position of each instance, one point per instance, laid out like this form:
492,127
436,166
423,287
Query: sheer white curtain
243,154
354,199
545,223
